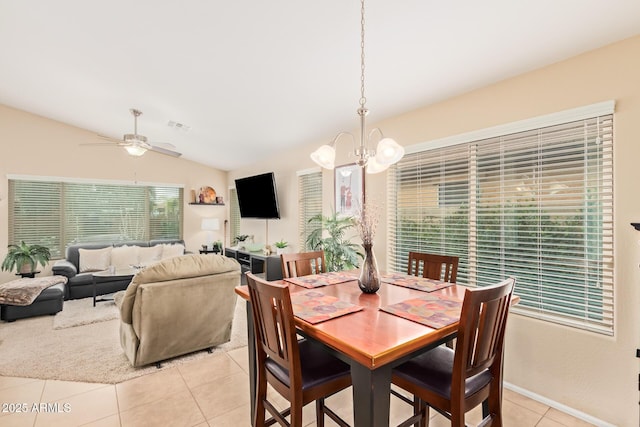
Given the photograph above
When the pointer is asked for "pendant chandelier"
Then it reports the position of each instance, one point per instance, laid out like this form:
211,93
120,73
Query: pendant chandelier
375,160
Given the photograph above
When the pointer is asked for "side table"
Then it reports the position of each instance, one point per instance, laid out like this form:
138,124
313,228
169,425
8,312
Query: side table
119,273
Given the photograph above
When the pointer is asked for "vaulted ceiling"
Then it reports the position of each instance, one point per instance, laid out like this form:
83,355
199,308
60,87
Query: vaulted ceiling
251,78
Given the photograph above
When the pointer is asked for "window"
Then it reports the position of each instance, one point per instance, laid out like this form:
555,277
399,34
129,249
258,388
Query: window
534,204
58,213
309,203
234,215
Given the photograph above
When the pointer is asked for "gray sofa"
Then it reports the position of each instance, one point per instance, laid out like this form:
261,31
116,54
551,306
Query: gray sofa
80,285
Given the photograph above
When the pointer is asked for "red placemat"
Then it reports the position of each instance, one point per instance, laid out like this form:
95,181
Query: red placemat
322,279
435,311
413,282
316,307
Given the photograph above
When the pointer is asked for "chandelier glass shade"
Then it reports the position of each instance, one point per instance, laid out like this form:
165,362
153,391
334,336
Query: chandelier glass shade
375,160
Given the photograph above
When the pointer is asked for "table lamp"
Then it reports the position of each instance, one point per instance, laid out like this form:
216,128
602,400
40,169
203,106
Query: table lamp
210,225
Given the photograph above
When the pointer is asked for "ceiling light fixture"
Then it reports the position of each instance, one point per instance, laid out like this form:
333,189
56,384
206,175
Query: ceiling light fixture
376,160
137,144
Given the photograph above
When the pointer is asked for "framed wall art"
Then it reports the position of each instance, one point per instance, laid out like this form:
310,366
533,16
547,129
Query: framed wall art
348,185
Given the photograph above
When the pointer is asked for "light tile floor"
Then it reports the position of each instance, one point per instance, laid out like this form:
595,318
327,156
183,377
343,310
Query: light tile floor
212,391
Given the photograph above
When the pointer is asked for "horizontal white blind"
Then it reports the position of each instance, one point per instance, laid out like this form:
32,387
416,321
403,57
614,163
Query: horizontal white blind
57,214
165,212
35,214
538,207
430,210
234,215
309,204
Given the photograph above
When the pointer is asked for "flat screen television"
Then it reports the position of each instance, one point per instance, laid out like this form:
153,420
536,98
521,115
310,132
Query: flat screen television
257,196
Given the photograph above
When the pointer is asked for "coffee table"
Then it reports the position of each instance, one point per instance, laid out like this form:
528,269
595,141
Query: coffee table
101,276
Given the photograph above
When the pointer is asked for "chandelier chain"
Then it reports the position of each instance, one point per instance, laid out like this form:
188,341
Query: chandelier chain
363,100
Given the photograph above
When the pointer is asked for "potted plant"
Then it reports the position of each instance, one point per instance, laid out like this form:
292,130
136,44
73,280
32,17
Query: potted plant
280,246
339,252
240,240
217,246
24,258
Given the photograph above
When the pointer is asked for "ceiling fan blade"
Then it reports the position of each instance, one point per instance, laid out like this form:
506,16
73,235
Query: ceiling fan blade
168,152
99,144
117,141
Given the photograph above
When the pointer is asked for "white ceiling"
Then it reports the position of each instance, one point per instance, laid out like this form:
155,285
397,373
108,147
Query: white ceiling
252,78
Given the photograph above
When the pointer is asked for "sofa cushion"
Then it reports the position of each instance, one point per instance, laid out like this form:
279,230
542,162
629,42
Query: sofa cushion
124,256
94,259
186,266
148,256
170,251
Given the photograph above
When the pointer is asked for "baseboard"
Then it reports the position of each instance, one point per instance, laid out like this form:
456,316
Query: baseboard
559,406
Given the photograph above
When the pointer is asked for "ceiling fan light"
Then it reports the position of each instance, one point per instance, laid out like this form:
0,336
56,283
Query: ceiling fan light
325,156
135,150
388,152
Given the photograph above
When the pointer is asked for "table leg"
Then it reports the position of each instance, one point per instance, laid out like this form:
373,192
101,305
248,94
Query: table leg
251,348
371,391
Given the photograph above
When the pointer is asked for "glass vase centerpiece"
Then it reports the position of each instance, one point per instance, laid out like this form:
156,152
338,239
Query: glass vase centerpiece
367,222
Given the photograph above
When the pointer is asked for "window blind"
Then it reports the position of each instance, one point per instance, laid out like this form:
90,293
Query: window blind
57,214
35,214
309,204
234,215
536,205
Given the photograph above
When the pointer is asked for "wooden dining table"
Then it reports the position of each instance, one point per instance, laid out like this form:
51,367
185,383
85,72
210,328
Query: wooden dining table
371,341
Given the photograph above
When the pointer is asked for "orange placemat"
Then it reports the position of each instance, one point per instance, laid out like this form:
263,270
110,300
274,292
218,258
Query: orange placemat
316,307
413,282
322,279
435,311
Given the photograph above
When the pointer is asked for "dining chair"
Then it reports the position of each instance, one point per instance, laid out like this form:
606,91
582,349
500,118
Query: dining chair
455,381
301,371
433,266
303,264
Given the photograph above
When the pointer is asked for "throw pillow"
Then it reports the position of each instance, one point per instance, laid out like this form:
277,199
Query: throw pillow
124,256
94,259
170,251
148,256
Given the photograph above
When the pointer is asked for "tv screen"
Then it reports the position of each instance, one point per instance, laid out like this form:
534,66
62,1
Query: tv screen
257,196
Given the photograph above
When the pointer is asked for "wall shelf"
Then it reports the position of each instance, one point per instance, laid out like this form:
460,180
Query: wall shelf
208,204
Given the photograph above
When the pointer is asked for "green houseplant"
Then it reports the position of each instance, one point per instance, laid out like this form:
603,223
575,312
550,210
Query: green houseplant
339,252
24,258
280,246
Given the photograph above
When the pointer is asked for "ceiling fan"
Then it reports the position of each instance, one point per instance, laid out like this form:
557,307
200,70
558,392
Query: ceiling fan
137,145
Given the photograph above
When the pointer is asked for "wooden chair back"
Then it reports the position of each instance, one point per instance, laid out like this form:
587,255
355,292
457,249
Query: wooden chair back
303,264
274,326
281,360
480,337
433,266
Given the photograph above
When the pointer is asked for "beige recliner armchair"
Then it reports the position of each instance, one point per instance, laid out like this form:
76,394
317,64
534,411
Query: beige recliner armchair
178,306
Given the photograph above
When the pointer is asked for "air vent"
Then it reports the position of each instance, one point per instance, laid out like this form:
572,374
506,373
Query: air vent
179,126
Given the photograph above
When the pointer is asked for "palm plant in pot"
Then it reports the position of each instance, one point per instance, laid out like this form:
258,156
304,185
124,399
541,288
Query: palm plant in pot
24,258
339,252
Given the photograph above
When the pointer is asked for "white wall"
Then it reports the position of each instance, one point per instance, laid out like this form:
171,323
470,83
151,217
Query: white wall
33,145
594,374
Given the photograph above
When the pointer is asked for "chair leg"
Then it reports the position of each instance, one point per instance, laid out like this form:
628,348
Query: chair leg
259,410
424,410
320,412
296,414
494,404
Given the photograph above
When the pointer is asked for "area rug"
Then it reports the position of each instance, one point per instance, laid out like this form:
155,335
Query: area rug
80,312
31,348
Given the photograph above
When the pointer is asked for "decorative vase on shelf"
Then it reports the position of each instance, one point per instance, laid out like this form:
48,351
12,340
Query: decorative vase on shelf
369,280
